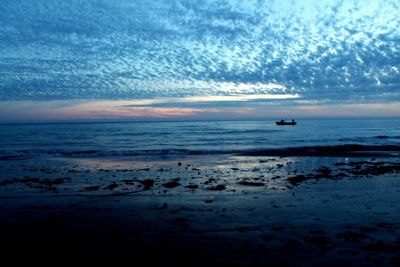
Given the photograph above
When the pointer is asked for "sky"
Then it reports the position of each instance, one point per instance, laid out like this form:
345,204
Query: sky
198,59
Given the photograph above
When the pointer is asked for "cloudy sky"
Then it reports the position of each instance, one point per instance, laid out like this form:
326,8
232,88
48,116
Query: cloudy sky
198,59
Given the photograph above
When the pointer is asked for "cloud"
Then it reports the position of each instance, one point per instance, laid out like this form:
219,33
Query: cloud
217,100
121,110
330,51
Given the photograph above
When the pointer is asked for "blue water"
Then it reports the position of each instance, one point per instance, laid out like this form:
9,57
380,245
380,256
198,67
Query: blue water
169,138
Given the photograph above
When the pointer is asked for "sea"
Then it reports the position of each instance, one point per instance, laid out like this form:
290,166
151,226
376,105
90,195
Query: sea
106,139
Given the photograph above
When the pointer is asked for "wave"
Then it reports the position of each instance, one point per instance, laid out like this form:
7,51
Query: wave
249,131
349,150
367,139
199,131
21,154
386,137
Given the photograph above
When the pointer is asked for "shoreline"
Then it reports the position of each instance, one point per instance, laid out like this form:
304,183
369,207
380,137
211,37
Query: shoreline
339,150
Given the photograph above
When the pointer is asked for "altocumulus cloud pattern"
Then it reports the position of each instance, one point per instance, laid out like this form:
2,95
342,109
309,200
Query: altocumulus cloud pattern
322,50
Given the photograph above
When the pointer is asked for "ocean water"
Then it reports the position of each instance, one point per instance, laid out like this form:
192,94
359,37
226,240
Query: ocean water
187,138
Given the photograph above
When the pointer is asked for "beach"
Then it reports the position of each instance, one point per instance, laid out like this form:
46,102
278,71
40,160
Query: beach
200,133
311,205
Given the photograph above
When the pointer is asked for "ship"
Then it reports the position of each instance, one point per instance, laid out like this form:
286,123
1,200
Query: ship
283,122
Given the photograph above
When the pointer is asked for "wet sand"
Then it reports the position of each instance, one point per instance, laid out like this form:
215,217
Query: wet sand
291,211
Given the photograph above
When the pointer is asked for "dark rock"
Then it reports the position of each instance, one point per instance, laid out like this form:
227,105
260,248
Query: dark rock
52,182
180,221
192,186
266,237
111,186
8,182
376,246
92,188
353,236
162,207
171,184
323,242
247,183
369,229
244,229
325,171
147,183
295,180
219,187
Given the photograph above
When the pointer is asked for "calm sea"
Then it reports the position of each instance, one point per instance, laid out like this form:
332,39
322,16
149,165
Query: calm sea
181,138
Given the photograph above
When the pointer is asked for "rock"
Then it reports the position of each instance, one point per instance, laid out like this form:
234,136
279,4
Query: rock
192,186
51,182
353,236
8,182
324,171
180,221
369,229
147,183
247,183
295,180
376,246
111,186
92,188
323,242
162,207
171,184
219,187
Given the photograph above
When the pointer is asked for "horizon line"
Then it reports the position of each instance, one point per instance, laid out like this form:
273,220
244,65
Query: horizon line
191,120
